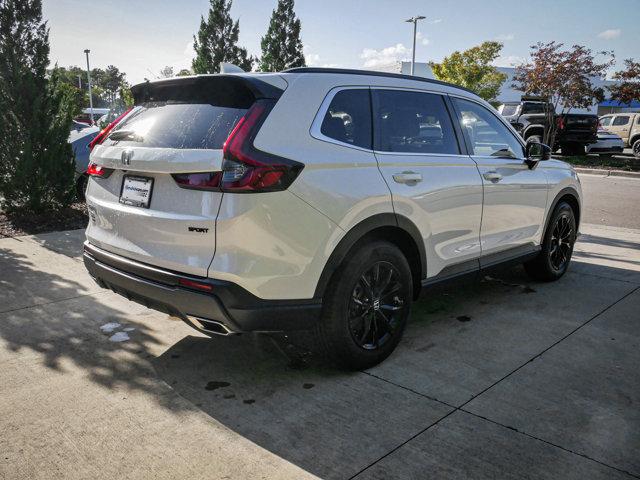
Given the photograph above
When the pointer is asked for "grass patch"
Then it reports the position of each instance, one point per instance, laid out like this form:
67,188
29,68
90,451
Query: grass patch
616,162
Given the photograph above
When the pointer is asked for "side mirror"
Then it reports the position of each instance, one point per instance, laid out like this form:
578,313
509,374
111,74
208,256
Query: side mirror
537,151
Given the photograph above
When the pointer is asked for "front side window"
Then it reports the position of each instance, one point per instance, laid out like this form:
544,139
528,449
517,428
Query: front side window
488,135
620,121
412,122
348,119
605,121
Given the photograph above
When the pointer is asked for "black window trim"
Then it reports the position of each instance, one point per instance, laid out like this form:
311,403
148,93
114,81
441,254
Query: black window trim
510,128
316,126
462,147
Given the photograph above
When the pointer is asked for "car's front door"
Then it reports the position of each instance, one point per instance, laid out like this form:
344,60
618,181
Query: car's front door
620,125
432,182
515,195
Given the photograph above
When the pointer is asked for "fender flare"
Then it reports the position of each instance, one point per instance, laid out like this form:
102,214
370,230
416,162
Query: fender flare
359,231
534,126
563,193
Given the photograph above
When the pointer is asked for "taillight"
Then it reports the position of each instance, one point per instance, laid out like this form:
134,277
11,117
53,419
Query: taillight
205,287
106,130
98,171
198,181
246,169
561,123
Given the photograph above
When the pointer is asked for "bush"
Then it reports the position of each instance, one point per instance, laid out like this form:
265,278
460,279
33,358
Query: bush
36,161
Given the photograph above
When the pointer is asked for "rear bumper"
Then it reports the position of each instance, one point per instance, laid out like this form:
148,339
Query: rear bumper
227,304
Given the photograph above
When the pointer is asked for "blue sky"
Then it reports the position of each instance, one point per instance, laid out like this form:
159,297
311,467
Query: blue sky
142,36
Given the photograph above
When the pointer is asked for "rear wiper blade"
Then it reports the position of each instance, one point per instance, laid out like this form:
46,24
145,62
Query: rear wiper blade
126,135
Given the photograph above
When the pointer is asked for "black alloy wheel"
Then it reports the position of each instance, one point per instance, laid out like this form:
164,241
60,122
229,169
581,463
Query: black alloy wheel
376,307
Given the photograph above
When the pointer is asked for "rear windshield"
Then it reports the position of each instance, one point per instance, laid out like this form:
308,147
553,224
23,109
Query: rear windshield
176,125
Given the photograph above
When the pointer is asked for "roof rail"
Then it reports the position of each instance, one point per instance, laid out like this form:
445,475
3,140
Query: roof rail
348,71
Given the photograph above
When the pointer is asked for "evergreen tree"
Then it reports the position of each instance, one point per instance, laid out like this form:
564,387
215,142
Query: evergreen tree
217,40
282,46
36,161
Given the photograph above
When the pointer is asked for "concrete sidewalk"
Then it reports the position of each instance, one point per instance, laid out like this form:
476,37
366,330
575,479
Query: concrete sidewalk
503,379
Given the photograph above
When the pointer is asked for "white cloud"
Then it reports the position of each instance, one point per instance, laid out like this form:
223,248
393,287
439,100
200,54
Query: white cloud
314,60
505,37
509,61
610,34
376,58
188,49
432,22
422,39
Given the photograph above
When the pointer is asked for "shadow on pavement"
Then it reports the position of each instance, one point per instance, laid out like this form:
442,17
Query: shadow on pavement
64,333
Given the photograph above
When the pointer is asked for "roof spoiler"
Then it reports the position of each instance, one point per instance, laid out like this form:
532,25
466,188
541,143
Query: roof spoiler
232,90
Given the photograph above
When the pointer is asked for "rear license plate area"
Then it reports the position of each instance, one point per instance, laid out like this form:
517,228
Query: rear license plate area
136,191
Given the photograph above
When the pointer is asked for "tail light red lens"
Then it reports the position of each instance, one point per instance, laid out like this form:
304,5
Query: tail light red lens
106,130
98,171
560,123
198,181
205,287
246,169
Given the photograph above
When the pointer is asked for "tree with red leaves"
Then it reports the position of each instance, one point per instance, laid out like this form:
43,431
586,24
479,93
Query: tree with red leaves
564,78
628,89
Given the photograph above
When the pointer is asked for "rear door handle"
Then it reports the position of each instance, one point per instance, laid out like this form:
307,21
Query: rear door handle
492,176
407,177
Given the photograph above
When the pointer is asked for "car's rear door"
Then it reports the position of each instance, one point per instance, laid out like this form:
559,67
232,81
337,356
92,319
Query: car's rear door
157,205
515,194
432,182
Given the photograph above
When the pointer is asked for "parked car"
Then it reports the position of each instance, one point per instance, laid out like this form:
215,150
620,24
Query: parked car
575,131
627,127
320,199
85,116
80,137
608,144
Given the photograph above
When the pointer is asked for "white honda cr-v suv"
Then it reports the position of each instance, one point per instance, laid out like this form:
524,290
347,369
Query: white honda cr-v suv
317,199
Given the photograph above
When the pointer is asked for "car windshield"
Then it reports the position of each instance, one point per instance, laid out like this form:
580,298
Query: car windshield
508,110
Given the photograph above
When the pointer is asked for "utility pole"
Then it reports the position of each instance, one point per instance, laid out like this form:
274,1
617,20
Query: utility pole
414,20
89,80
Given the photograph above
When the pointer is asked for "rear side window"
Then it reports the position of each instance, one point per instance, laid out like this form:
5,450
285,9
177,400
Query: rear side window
348,119
412,122
176,125
619,121
533,108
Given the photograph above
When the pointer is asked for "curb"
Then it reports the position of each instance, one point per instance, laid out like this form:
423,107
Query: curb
607,173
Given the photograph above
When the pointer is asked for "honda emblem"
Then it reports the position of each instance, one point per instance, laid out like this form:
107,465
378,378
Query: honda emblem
126,157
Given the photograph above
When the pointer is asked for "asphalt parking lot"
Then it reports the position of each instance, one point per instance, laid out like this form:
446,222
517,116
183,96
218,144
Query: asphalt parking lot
503,379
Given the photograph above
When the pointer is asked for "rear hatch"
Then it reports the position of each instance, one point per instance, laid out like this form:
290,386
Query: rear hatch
580,123
153,195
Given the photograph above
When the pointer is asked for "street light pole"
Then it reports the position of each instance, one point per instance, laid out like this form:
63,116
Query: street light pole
89,83
414,20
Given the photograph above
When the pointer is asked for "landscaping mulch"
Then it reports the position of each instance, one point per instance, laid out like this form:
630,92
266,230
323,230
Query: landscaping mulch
73,217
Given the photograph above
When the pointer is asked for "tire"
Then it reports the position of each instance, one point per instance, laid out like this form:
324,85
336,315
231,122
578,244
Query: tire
553,261
360,327
636,148
572,148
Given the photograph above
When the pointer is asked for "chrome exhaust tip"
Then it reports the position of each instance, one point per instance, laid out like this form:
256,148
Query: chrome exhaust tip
208,326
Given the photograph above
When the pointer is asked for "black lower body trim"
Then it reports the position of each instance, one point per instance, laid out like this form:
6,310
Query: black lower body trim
227,304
